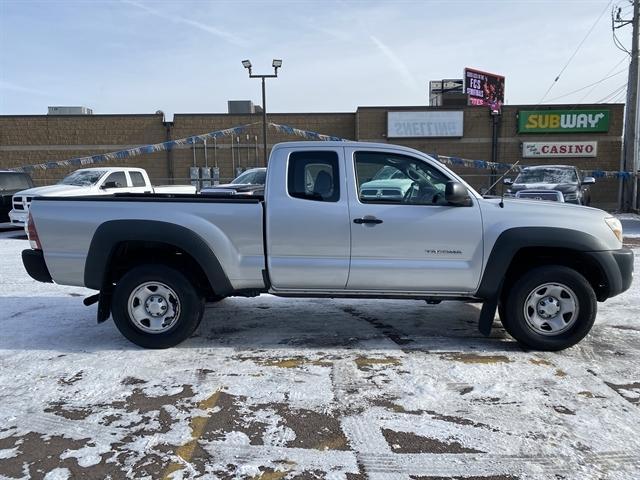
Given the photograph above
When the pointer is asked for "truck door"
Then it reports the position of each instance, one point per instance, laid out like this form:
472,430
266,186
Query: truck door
404,235
307,219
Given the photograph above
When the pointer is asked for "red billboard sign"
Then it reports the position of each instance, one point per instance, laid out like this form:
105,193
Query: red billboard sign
484,88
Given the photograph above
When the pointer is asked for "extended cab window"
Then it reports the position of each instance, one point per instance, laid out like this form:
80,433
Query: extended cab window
314,176
137,180
392,178
119,178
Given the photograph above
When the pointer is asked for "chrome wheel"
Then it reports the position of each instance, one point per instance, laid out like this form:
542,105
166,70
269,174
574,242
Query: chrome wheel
153,307
551,309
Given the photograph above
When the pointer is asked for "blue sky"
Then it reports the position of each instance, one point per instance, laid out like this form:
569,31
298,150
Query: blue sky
138,56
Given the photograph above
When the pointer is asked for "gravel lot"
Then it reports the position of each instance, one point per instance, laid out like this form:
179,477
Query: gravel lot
277,388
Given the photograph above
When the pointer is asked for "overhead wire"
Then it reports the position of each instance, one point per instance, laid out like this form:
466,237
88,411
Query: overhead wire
628,59
621,97
617,43
594,84
575,51
612,94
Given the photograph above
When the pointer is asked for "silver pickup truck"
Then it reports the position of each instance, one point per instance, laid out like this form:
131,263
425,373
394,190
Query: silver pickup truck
156,259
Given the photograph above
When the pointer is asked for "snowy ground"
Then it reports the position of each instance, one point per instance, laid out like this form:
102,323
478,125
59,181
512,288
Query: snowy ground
277,388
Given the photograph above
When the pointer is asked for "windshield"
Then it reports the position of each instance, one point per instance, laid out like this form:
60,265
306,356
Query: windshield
14,181
547,175
83,178
251,176
389,172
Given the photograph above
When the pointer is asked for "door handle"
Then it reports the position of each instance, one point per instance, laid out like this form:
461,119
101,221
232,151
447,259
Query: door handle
369,220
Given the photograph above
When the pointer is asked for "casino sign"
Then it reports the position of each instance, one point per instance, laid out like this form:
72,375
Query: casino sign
559,149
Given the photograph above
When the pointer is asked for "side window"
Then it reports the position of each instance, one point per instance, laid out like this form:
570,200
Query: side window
137,180
314,176
119,177
391,178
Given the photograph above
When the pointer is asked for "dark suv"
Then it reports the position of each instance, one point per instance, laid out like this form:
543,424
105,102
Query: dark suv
10,183
559,183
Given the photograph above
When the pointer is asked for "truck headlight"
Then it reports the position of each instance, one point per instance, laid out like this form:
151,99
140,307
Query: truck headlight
615,226
571,196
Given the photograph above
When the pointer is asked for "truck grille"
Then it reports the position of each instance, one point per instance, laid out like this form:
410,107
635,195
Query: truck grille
549,195
381,194
21,203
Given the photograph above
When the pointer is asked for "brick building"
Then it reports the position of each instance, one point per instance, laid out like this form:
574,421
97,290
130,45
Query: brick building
31,139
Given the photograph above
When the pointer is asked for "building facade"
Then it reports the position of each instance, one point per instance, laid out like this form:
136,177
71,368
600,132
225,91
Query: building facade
588,136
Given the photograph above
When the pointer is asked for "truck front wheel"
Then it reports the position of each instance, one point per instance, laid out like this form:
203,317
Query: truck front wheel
550,308
155,306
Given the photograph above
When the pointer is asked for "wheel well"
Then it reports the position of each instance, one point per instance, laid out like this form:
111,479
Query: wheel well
532,257
126,255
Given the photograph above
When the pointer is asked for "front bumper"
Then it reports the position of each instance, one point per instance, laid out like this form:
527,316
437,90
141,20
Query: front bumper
18,218
34,264
617,267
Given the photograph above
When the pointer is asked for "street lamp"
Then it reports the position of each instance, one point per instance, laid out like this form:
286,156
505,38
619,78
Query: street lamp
277,63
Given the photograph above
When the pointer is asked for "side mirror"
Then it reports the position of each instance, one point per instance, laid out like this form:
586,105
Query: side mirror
507,181
456,194
588,181
106,185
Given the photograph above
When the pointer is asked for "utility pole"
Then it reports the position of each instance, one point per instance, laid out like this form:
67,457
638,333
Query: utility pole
630,163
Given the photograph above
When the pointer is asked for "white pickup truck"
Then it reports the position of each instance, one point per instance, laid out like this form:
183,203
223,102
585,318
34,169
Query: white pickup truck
91,181
156,259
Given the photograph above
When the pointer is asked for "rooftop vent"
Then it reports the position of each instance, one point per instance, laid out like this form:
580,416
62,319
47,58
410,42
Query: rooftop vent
70,111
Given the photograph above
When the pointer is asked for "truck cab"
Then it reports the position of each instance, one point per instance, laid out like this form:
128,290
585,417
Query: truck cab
358,244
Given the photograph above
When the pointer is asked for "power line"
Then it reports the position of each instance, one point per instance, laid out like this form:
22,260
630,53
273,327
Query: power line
593,88
576,51
616,17
590,85
613,94
620,97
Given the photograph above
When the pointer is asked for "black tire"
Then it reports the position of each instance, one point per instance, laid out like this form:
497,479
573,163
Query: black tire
578,325
190,306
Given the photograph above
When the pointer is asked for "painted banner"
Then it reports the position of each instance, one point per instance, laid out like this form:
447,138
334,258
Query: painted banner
563,121
425,124
559,149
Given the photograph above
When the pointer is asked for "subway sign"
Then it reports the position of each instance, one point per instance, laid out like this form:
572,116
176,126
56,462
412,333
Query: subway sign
563,121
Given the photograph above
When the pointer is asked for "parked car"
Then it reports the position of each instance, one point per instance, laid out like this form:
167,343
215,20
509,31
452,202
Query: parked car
156,260
388,183
249,182
91,181
11,183
558,183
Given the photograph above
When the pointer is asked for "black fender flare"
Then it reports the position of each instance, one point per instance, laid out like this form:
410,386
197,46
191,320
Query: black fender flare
114,232
507,246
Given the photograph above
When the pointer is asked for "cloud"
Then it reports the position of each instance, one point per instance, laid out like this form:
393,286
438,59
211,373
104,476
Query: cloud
12,87
229,37
396,63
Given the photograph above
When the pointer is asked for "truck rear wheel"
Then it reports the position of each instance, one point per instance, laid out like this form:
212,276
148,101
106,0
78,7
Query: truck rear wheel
155,306
550,308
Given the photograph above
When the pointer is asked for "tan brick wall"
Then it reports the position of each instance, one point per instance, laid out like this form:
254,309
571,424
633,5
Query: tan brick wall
33,139
244,151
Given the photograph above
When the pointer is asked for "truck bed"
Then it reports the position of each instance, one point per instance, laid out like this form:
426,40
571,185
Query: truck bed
231,227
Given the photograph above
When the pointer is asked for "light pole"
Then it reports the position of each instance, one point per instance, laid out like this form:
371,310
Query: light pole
276,65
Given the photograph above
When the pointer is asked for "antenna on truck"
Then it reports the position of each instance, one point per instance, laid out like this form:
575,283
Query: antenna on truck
499,180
